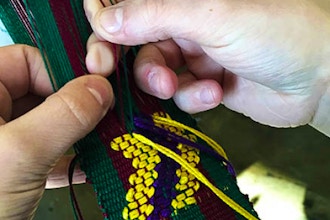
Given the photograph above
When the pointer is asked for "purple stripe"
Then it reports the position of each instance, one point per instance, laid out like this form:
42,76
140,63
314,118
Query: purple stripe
145,126
165,188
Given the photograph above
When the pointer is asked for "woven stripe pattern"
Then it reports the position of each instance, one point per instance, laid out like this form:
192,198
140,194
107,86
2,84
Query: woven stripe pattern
132,178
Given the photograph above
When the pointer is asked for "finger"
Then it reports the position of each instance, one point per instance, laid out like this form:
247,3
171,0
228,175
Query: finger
166,51
6,103
2,121
42,135
133,22
153,68
59,176
100,56
91,7
198,62
22,70
195,96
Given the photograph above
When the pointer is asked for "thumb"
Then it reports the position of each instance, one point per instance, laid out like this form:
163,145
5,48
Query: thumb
133,22
44,134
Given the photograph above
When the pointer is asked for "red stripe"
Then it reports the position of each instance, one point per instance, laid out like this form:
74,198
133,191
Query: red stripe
210,205
108,129
111,126
66,24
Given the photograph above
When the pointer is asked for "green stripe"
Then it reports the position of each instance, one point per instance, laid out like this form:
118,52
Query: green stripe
60,67
99,168
81,21
190,212
224,181
178,115
13,24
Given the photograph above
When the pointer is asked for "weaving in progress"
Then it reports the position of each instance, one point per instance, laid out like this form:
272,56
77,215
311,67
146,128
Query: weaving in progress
146,159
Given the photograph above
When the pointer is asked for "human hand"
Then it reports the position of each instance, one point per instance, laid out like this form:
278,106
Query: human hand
35,133
266,59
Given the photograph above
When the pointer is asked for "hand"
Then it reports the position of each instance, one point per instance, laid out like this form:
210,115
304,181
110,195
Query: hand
265,59
35,133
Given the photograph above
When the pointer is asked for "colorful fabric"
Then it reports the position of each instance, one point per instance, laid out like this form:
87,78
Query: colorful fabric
146,159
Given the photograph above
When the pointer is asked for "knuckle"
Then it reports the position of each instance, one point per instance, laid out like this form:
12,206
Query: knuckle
74,110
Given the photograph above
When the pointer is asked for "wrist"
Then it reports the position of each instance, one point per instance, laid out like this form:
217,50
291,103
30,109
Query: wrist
18,208
321,119
19,199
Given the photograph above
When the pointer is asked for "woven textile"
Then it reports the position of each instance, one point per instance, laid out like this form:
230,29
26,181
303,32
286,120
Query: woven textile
146,159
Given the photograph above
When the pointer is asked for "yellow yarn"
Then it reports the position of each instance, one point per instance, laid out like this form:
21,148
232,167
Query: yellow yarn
194,171
144,159
209,141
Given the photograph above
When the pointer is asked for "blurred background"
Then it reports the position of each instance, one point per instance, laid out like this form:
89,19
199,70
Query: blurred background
286,172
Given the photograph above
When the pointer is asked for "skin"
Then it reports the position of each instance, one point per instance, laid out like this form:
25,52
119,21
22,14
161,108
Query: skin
265,59
30,154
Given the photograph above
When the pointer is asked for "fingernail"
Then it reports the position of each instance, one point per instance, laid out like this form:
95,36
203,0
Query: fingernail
153,80
111,19
206,96
99,91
